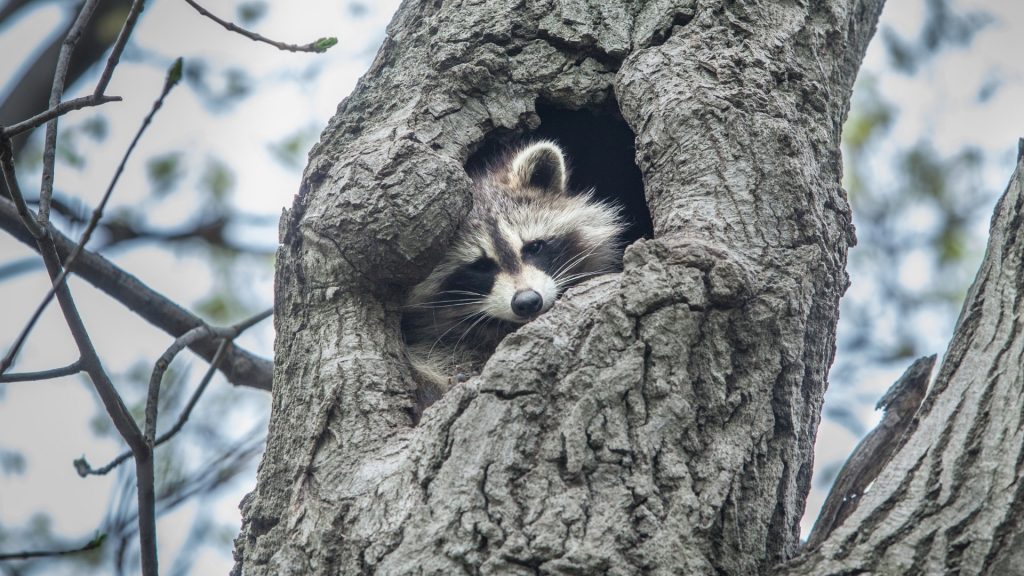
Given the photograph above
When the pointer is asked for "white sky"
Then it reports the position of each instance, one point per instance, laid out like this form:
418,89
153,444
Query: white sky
49,421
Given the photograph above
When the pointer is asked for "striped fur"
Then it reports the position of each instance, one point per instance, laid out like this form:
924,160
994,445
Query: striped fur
525,241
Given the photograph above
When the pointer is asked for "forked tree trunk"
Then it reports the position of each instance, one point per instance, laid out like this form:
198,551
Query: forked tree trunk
951,501
660,420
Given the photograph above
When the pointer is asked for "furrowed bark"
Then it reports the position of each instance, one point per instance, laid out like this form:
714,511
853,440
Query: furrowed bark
660,420
952,498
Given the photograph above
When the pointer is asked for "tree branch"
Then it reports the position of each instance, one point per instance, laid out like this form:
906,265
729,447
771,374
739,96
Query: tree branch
241,367
90,545
318,46
73,368
173,76
82,465
67,48
11,179
874,451
56,111
119,44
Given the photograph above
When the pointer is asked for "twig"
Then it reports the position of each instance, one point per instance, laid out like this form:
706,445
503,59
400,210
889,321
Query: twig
144,459
874,451
112,402
58,110
173,76
82,465
240,367
67,48
182,342
145,478
318,46
119,44
73,368
93,544
90,361
11,179
162,363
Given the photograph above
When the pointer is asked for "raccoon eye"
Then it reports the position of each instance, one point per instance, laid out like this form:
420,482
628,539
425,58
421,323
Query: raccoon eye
534,248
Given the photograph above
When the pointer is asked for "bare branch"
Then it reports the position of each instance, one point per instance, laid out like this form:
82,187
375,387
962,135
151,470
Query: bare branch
11,179
146,485
119,44
56,111
318,46
182,342
90,361
73,368
93,544
241,367
144,461
82,465
173,76
162,363
67,48
874,451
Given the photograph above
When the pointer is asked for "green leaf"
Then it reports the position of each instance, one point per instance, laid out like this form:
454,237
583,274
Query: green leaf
323,44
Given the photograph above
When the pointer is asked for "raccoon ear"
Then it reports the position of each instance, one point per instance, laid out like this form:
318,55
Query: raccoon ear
540,165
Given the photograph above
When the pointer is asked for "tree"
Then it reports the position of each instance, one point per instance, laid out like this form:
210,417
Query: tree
611,435
28,219
661,420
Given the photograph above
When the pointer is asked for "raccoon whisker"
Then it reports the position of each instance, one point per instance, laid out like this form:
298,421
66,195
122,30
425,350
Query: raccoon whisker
597,272
568,271
454,326
463,292
445,303
455,348
568,265
574,278
564,268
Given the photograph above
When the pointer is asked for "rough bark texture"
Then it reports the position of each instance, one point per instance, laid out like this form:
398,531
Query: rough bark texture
660,420
951,501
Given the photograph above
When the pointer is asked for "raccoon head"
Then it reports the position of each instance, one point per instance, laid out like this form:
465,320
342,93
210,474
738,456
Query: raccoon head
524,242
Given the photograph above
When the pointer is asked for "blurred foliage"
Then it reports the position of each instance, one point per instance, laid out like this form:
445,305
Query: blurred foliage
165,171
291,150
251,12
11,462
914,209
219,89
358,9
209,453
943,26
217,182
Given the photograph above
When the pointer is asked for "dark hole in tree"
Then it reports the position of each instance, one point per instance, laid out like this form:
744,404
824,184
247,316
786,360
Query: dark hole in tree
601,151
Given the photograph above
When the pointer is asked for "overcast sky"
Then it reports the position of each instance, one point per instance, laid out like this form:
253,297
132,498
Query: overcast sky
944,103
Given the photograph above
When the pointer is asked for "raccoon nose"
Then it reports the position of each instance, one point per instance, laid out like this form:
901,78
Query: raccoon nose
526,303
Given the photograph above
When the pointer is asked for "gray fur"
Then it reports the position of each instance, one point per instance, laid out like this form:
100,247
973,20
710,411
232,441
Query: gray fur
450,333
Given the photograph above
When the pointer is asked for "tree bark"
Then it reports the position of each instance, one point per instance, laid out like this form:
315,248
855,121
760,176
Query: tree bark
952,498
660,420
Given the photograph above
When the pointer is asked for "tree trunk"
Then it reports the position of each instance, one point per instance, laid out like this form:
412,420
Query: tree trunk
660,420
951,501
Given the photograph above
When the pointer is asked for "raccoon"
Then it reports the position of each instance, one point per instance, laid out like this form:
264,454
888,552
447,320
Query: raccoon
524,242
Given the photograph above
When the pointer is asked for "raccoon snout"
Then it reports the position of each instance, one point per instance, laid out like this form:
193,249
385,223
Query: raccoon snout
527,303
